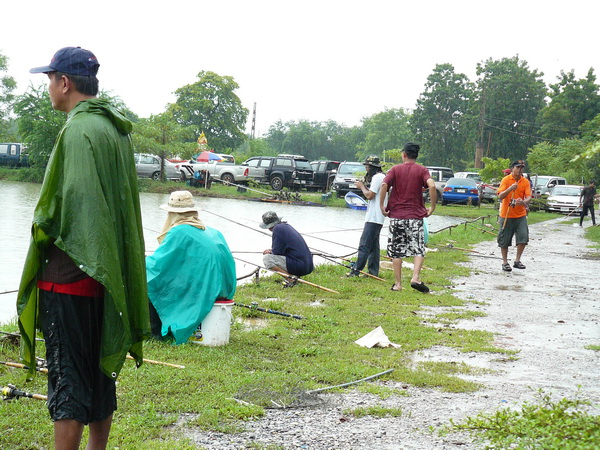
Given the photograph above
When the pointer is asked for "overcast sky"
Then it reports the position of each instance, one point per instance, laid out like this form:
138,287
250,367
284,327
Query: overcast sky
313,60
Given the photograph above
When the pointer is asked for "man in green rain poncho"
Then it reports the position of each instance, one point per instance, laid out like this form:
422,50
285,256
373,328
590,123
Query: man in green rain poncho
84,280
190,270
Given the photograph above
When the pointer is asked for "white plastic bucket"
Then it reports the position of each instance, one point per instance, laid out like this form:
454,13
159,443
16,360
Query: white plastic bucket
214,329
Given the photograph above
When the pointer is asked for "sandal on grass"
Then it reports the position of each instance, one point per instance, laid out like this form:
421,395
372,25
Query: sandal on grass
421,287
393,288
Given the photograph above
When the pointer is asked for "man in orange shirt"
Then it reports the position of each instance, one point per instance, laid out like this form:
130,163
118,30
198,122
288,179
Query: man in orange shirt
515,194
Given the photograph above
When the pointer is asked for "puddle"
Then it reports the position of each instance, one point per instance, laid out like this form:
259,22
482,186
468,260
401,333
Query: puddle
252,323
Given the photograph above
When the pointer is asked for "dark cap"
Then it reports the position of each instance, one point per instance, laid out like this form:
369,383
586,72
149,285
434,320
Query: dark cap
71,60
270,219
372,160
518,163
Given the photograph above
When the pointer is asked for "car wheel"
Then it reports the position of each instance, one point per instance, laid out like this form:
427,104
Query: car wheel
156,176
276,183
182,176
227,178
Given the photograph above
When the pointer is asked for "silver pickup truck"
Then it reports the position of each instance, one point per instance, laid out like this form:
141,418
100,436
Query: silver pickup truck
225,171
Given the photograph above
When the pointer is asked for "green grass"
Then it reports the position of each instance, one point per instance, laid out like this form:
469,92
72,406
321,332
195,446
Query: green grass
545,423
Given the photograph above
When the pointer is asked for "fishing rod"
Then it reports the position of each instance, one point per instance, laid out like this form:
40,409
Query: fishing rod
289,278
9,292
483,230
347,266
10,391
254,306
151,361
228,183
23,366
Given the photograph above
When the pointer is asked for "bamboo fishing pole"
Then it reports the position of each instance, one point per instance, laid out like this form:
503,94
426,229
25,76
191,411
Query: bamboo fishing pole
349,267
289,277
151,361
23,366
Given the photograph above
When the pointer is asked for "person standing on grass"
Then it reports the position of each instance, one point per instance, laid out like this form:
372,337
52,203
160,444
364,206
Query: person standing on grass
406,210
586,199
368,247
86,258
515,193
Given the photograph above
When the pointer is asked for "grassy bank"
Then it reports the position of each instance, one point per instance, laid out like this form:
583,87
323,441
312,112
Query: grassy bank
273,359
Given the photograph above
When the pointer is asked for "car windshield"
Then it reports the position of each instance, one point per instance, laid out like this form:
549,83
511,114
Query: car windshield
562,190
540,181
351,168
461,182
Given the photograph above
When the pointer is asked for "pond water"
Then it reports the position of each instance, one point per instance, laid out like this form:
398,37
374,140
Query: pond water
332,230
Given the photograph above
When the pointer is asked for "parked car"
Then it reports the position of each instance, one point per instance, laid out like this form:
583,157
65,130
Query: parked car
347,174
225,170
565,198
292,171
460,190
487,191
541,184
440,175
13,154
323,174
148,166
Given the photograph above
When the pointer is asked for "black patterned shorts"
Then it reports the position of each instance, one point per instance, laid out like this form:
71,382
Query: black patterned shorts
406,238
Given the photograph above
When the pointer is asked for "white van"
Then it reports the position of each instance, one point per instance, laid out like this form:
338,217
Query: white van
541,184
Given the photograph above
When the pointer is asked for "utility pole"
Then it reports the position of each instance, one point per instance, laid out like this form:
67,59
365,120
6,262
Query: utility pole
253,129
479,144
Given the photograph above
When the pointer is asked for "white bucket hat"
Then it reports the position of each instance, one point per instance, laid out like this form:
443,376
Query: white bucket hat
180,202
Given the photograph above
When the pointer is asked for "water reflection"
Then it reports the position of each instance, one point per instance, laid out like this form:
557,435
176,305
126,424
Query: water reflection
331,230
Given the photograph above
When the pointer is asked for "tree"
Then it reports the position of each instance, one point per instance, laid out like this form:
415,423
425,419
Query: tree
507,100
7,86
572,103
559,159
385,131
492,171
438,116
211,106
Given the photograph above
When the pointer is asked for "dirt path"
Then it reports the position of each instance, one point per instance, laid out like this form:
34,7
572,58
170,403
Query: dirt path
548,313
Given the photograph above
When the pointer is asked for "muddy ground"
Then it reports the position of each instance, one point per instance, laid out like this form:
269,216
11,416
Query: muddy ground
548,313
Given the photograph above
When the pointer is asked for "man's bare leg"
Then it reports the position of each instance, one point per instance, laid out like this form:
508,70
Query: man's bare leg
397,266
99,432
67,434
418,264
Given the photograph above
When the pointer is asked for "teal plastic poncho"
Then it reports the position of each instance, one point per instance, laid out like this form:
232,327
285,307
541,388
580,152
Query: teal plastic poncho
189,270
89,206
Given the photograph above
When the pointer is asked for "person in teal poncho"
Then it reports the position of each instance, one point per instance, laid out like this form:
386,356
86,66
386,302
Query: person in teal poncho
191,269
83,281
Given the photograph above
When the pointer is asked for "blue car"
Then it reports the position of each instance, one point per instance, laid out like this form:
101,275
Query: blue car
460,190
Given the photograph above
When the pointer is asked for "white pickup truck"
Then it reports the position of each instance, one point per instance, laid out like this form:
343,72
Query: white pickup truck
225,171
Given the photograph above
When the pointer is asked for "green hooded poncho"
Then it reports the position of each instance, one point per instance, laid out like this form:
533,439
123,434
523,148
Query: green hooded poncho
89,207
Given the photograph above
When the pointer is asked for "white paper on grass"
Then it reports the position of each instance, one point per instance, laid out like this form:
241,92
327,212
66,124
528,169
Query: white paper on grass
375,338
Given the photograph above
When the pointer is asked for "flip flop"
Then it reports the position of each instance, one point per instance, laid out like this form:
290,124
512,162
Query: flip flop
395,290
419,287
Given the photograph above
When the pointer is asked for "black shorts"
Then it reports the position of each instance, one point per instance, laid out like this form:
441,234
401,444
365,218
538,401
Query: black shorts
77,388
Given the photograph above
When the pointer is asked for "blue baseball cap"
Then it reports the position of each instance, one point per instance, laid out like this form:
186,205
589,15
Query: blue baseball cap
71,60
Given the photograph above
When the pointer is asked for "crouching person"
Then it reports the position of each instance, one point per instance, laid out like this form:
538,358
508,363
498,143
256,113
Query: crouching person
191,269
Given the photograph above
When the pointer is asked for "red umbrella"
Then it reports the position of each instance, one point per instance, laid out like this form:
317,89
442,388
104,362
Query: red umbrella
208,156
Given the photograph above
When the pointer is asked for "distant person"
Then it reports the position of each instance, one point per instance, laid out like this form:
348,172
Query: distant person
86,256
515,193
191,269
406,211
368,247
586,199
289,253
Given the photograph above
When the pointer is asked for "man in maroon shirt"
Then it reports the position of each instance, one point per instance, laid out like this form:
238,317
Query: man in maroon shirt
406,211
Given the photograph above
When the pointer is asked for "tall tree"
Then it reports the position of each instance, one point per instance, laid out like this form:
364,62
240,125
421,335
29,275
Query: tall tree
572,102
437,118
386,130
7,86
508,98
211,105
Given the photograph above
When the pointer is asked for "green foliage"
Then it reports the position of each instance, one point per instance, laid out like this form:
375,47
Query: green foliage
385,131
376,411
7,86
39,124
492,171
438,118
560,159
508,96
572,102
162,135
565,424
212,107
